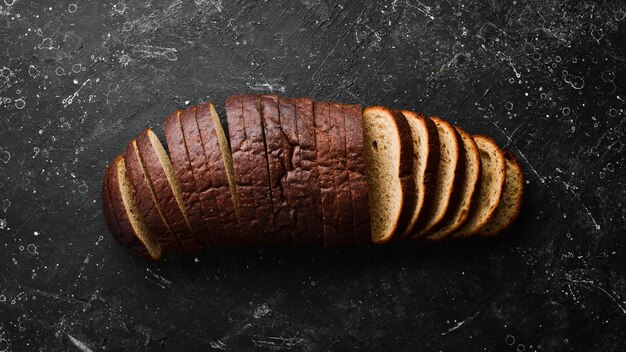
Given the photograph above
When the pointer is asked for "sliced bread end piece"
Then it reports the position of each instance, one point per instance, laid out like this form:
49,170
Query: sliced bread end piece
470,177
388,148
511,199
134,229
490,187
425,163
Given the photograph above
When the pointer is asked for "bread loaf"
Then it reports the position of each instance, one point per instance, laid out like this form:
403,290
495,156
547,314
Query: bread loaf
303,173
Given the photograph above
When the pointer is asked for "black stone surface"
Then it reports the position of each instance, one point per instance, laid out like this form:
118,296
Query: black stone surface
545,78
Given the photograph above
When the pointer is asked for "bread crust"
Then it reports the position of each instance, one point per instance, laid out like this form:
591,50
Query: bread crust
242,164
276,153
202,176
147,203
311,212
164,192
182,168
336,131
325,161
353,118
260,172
219,179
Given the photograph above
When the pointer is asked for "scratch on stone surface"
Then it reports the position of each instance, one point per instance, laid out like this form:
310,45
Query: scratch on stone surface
519,152
458,325
571,189
613,296
70,99
81,346
160,280
422,8
278,342
153,51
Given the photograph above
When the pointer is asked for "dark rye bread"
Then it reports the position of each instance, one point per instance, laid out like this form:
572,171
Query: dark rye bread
311,212
299,182
459,209
202,175
221,167
510,200
251,169
426,156
326,165
353,118
167,190
123,216
388,146
184,174
147,201
277,151
345,211
491,182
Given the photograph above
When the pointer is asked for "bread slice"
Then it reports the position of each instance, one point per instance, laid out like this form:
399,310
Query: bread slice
388,147
184,174
490,187
310,214
510,201
449,156
276,153
167,189
123,216
468,181
221,166
425,165
147,201
353,118
202,175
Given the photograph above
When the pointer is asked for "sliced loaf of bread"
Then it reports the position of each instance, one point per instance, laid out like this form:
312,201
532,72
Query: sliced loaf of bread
202,175
277,153
449,141
147,200
220,164
459,209
510,200
179,155
310,214
123,215
345,216
167,189
388,148
251,168
353,117
326,166
490,186
426,154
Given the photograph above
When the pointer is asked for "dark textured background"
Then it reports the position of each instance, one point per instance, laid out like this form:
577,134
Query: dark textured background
544,78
